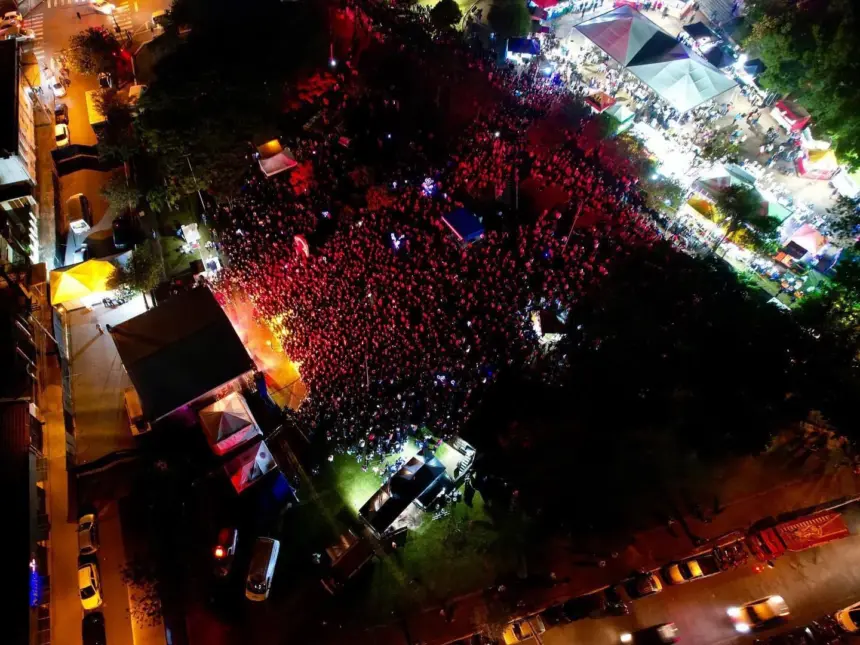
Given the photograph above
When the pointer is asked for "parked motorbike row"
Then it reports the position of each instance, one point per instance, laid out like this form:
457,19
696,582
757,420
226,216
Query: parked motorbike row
120,299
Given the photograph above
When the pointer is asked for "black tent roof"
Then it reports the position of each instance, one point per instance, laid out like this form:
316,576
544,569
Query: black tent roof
720,57
404,487
179,351
700,30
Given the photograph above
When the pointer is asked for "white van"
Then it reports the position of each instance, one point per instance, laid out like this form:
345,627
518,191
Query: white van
78,210
263,560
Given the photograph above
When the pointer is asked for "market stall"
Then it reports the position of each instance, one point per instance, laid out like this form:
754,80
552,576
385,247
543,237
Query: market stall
790,115
818,164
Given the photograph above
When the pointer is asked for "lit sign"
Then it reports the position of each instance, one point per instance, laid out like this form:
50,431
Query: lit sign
35,584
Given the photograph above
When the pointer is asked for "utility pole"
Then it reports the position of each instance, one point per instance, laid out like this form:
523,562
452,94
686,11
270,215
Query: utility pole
196,185
572,224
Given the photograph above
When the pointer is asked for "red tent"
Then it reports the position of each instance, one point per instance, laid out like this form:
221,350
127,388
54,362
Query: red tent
790,115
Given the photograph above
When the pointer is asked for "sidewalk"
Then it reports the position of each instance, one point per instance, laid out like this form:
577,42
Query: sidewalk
45,187
65,606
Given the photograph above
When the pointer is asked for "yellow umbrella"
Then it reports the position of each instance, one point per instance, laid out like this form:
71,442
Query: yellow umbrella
79,280
702,206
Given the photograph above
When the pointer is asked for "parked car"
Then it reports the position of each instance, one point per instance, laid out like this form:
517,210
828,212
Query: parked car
61,113
102,6
555,615
10,19
160,18
263,560
93,629
523,630
849,618
89,586
758,614
677,573
642,585
126,231
224,551
88,534
662,634
600,604
61,135
57,87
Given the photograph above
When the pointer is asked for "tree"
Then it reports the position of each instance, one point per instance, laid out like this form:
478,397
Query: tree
740,207
842,225
93,51
141,273
117,139
721,147
120,193
836,308
144,601
662,194
510,18
445,13
212,96
811,51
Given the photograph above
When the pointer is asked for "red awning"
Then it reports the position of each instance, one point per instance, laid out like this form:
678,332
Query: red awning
796,118
545,4
808,532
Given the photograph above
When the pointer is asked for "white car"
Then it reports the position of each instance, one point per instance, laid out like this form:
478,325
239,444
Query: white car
758,613
57,87
88,535
61,134
849,618
90,587
102,6
263,560
11,18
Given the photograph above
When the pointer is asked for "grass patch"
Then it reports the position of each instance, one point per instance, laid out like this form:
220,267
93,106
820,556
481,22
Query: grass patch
175,261
442,558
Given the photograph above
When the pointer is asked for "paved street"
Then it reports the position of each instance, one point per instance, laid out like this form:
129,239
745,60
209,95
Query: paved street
813,583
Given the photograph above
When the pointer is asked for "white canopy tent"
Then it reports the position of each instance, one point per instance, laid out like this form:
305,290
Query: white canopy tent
228,423
681,78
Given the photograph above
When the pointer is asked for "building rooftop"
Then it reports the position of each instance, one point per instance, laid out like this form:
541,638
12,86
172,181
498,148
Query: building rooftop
179,351
15,482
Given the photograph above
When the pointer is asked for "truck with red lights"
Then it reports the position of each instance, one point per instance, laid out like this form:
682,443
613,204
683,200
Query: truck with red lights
797,535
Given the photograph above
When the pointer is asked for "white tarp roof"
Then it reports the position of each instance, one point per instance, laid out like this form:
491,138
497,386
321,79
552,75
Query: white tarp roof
228,423
682,78
684,83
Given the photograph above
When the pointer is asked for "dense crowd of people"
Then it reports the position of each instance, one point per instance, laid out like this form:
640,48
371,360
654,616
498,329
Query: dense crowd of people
397,323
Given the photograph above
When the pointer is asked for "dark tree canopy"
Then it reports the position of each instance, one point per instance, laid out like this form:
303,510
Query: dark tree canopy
672,367
742,210
93,51
510,18
812,51
215,94
445,13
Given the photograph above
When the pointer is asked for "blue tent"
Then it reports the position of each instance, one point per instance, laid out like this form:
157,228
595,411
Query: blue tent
464,224
523,46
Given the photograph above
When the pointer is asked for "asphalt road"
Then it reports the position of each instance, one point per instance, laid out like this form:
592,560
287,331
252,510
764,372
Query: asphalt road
813,583
54,22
